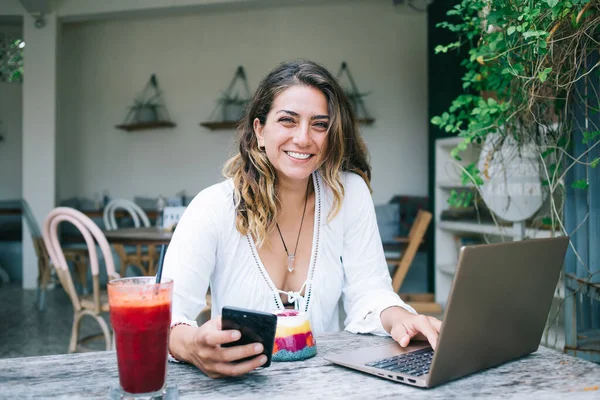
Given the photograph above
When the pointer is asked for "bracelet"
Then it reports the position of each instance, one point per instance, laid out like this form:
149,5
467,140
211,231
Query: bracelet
170,329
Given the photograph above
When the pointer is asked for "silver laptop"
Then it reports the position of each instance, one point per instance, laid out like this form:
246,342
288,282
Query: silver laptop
496,312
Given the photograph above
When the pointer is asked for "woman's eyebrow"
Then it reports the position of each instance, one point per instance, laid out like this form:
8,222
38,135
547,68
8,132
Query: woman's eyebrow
292,113
295,114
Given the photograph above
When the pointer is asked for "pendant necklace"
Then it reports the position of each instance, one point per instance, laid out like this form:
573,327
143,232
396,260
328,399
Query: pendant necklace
291,256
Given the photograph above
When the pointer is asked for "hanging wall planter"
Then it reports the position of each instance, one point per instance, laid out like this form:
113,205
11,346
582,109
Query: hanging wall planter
231,106
356,98
148,111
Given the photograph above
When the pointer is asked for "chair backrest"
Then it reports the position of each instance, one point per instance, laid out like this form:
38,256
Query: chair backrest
32,224
415,237
90,232
36,233
139,216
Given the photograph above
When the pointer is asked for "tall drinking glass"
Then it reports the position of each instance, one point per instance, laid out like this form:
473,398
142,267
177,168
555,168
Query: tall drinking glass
140,313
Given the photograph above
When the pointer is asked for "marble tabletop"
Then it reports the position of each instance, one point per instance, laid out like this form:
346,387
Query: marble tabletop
546,374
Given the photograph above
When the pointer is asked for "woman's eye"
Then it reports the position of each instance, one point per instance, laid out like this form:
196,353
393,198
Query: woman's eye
322,125
286,120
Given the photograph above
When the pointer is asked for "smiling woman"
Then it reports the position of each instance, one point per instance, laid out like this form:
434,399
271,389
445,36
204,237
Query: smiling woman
293,225
294,133
303,101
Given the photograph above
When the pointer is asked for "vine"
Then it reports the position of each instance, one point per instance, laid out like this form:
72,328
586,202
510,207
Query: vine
527,76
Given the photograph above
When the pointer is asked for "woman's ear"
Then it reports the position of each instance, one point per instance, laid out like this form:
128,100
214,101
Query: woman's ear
258,131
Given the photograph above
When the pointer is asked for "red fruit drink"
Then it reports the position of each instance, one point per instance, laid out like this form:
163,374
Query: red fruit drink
140,313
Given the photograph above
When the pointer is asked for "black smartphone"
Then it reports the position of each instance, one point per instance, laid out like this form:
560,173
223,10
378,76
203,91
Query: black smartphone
255,326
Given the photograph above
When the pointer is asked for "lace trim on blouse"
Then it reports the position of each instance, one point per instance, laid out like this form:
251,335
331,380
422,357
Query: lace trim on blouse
300,302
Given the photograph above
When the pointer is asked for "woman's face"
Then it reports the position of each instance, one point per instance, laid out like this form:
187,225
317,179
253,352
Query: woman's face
295,132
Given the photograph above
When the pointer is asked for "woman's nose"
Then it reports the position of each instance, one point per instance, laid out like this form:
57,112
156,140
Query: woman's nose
302,135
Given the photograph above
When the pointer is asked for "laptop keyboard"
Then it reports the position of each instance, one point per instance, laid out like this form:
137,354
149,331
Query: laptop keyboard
415,363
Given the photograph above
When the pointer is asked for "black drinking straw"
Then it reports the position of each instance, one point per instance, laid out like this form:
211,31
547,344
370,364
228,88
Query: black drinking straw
161,259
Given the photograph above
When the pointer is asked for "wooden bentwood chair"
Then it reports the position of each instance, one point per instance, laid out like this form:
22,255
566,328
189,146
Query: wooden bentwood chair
83,305
421,302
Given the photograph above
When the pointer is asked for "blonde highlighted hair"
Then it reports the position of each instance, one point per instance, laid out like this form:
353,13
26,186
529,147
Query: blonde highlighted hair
254,178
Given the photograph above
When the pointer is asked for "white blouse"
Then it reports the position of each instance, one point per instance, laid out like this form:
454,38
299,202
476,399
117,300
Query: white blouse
347,261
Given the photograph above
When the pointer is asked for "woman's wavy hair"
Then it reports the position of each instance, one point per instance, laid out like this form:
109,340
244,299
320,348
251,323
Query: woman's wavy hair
254,178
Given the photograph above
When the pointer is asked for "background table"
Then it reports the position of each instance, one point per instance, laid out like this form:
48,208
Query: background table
145,240
139,236
546,374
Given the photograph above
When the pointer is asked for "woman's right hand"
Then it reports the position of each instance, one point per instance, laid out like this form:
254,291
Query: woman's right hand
202,346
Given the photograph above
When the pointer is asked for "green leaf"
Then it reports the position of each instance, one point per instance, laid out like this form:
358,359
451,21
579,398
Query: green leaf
511,30
546,153
543,75
471,171
551,3
547,221
562,141
436,120
580,184
595,162
454,154
519,68
590,136
552,169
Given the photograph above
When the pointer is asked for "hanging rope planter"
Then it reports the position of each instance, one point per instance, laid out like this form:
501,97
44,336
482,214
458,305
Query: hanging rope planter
149,110
231,106
356,98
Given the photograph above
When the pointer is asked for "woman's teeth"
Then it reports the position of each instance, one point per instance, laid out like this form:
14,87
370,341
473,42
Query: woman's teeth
300,156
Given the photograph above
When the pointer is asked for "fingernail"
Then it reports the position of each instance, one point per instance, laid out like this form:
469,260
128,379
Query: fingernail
263,359
236,335
258,348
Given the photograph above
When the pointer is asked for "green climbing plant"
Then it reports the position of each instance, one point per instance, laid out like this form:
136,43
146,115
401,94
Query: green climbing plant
11,60
524,61
527,75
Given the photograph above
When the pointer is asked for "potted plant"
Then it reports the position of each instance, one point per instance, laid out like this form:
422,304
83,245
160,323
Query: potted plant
145,110
148,110
233,107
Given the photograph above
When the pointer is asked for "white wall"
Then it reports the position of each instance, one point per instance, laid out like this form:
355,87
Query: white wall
11,128
39,130
104,64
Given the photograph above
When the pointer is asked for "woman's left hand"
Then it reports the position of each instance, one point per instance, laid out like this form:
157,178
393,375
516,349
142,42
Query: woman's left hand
404,326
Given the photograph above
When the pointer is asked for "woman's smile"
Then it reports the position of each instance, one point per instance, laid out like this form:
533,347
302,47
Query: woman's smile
298,156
